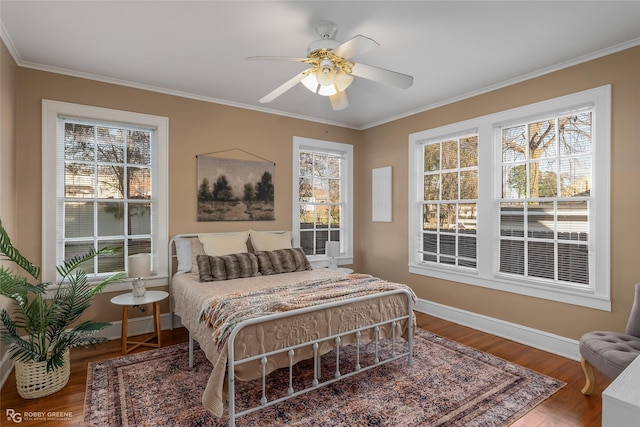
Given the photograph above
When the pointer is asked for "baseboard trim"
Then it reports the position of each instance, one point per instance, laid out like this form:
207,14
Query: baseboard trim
551,343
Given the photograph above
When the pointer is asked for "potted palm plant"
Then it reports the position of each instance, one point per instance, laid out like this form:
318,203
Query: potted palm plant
39,332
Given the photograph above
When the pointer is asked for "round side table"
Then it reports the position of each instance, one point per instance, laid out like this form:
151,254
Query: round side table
128,300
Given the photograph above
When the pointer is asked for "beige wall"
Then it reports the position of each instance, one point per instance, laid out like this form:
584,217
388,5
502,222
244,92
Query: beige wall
195,127
198,127
8,72
386,243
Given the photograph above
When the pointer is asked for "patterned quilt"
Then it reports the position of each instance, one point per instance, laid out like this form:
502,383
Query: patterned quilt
225,312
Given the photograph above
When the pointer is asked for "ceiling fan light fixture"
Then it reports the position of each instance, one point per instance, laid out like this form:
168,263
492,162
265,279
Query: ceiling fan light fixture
311,83
327,90
326,73
343,80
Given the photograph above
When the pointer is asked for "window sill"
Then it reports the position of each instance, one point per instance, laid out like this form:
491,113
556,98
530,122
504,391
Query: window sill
563,295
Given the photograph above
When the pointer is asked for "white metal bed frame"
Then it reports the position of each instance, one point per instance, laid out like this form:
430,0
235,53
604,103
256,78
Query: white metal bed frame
265,402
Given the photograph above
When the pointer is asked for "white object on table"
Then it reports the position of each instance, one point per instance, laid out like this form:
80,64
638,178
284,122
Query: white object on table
129,300
621,400
344,270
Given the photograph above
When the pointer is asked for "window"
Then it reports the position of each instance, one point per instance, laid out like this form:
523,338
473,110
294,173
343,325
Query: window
104,184
517,200
322,197
450,197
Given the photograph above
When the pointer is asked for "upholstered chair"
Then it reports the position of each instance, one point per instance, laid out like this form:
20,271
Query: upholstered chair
611,352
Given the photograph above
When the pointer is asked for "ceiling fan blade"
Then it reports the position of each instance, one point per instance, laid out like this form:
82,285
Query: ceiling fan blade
276,58
339,101
284,87
381,75
355,46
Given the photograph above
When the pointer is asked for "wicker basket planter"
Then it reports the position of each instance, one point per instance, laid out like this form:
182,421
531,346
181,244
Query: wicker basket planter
33,380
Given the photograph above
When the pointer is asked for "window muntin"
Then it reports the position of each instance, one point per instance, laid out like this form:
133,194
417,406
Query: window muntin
322,199
515,250
449,206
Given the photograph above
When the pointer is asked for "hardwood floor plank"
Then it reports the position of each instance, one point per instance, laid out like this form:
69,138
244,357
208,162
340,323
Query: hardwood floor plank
567,407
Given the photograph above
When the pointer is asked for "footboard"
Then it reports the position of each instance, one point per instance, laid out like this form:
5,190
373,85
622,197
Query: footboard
290,351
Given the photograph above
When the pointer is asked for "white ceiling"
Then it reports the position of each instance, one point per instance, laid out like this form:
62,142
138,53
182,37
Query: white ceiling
197,49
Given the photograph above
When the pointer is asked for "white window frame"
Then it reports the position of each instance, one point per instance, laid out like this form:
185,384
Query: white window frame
301,144
52,187
597,295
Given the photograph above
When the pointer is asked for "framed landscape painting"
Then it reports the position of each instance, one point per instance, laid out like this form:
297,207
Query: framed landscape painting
235,190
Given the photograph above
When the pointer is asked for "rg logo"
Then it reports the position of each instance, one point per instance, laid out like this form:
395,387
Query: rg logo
14,416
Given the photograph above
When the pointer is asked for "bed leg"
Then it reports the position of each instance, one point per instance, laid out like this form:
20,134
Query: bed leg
190,350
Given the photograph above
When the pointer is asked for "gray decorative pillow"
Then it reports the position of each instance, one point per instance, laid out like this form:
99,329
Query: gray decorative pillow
211,268
282,261
240,265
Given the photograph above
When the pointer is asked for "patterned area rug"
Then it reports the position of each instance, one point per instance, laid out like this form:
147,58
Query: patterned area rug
449,384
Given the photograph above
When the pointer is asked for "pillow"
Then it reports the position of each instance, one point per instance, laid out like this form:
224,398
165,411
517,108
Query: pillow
266,241
211,268
224,244
196,249
183,253
241,265
282,261
227,267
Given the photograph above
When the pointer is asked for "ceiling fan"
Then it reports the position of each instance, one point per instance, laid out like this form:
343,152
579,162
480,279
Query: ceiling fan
331,71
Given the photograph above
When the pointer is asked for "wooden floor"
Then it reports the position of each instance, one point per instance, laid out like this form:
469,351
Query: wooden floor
567,407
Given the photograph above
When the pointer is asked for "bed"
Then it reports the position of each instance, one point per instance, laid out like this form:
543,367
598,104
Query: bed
292,312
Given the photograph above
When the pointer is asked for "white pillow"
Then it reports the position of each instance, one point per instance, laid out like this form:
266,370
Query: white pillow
270,241
224,243
183,253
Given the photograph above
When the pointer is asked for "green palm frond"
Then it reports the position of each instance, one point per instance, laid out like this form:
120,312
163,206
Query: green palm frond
45,320
7,249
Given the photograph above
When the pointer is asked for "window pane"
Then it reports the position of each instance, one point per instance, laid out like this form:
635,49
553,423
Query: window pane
305,190
448,244
320,165
512,257
430,242
78,219
76,249
542,139
514,181
469,151
139,218
334,190
432,187
110,219
334,212
450,155
467,219
322,216
575,176
306,164
430,215
110,145
540,223
111,263
573,263
139,147
431,157
512,219
469,184
79,180
514,144
573,221
110,181
320,189
307,242
448,218
139,185
467,247
543,179
334,167
449,186
575,133
321,242
541,259
79,142
139,246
